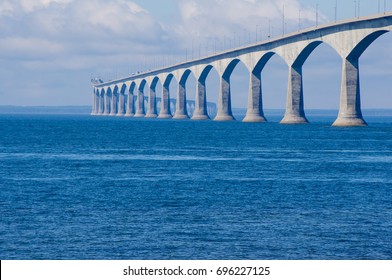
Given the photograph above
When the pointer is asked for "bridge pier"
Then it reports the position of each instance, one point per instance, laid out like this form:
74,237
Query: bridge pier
224,101
107,105
255,101
100,104
295,113
350,102
121,105
130,111
165,104
113,110
181,111
152,104
140,111
95,106
200,112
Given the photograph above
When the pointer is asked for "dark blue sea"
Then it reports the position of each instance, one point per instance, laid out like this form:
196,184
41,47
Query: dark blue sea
83,187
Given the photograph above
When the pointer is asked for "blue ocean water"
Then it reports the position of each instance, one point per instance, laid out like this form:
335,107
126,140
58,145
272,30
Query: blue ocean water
82,187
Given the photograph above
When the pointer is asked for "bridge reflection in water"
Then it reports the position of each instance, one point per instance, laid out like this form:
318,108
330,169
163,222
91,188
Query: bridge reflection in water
349,38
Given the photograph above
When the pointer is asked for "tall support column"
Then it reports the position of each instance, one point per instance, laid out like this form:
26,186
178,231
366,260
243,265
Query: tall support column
350,102
101,104
97,103
181,110
295,113
130,106
255,100
200,111
224,101
140,111
94,107
152,104
107,105
121,104
113,110
165,103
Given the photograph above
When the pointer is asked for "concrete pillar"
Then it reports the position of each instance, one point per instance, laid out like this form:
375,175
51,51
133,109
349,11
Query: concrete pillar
224,101
140,111
200,111
255,100
107,105
97,103
94,107
130,106
295,113
114,107
350,102
152,104
165,103
101,104
121,104
181,110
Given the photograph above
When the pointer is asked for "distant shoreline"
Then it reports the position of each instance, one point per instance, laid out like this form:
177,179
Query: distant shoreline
86,110
57,110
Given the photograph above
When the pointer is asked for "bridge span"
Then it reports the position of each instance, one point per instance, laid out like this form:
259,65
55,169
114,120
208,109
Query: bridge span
349,38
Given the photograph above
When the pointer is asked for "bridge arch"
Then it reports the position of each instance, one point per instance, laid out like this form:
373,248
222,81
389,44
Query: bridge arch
200,111
121,108
234,84
130,107
360,48
108,99
376,76
101,108
350,111
140,108
165,112
348,38
95,108
190,84
152,99
114,101
255,111
181,111
321,85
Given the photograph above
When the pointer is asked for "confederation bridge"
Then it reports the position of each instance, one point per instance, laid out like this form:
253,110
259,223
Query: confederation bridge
348,38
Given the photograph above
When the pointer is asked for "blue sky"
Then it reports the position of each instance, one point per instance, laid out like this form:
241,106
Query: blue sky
50,49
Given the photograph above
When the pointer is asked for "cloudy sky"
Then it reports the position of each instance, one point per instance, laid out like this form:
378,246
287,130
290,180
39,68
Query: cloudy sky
50,49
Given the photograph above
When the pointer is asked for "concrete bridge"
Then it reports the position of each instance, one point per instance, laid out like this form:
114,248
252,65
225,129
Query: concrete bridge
348,38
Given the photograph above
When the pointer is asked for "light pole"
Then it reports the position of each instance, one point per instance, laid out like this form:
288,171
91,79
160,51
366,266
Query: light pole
192,46
359,8
385,6
299,20
269,28
283,26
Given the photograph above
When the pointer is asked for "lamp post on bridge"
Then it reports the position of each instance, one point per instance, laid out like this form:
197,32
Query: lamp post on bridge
385,6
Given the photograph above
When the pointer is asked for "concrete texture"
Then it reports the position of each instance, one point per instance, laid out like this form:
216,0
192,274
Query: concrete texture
349,38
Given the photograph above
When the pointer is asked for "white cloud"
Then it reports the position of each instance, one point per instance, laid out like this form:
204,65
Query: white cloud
28,48
70,28
6,7
32,5
53,43
223,17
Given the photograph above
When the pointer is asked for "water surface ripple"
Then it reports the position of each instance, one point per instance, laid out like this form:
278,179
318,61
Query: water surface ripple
79,187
